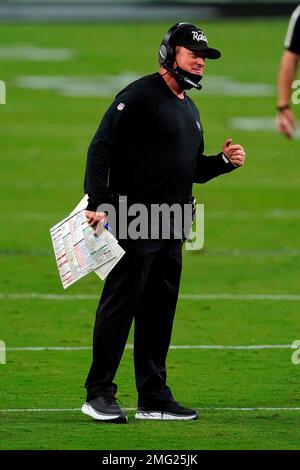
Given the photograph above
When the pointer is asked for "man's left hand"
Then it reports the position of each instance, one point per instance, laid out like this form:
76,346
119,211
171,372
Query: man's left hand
234,152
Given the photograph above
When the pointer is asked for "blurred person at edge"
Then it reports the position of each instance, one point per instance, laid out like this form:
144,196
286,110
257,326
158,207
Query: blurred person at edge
286,121
148,147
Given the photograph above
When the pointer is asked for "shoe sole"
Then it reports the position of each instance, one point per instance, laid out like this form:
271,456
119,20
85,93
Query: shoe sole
90,411
158,415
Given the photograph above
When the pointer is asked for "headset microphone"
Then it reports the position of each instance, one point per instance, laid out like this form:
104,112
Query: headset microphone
182,77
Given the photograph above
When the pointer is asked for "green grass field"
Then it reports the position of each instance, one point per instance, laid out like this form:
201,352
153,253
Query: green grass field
252,222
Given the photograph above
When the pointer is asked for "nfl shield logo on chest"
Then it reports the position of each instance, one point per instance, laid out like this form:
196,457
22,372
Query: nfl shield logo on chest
121,106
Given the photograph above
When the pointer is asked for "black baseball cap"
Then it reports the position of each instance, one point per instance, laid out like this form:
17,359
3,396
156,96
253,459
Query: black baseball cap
194,39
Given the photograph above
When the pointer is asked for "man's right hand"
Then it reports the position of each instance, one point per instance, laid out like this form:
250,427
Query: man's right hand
94,218
286,123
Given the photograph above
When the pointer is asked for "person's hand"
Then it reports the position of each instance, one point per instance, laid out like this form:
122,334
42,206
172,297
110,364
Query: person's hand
94,218
234,152
286,123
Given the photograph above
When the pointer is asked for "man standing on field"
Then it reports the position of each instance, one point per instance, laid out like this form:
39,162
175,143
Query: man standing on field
149,147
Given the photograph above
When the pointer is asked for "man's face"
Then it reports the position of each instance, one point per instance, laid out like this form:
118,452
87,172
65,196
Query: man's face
190,61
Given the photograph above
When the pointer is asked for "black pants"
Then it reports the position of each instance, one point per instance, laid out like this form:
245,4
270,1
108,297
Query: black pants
143,285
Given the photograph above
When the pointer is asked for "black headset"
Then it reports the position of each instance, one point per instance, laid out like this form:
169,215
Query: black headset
166,52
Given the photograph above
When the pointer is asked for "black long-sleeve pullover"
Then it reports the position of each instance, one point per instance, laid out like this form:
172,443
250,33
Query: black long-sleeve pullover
149,147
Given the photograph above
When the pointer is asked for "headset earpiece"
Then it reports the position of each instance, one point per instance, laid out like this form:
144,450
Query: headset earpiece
162,54
166,55
166,52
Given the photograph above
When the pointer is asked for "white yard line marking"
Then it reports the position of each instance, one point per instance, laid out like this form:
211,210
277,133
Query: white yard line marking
226,408
34,53
259,408
218,85
183,346
239,253
108,85
275,213
38,410
292,182
236,253
50,348
36,296
198,297
77,86
257,124
276,297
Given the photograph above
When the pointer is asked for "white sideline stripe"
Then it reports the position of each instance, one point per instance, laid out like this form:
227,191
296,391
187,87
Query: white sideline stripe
226,408
36,296
184,346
